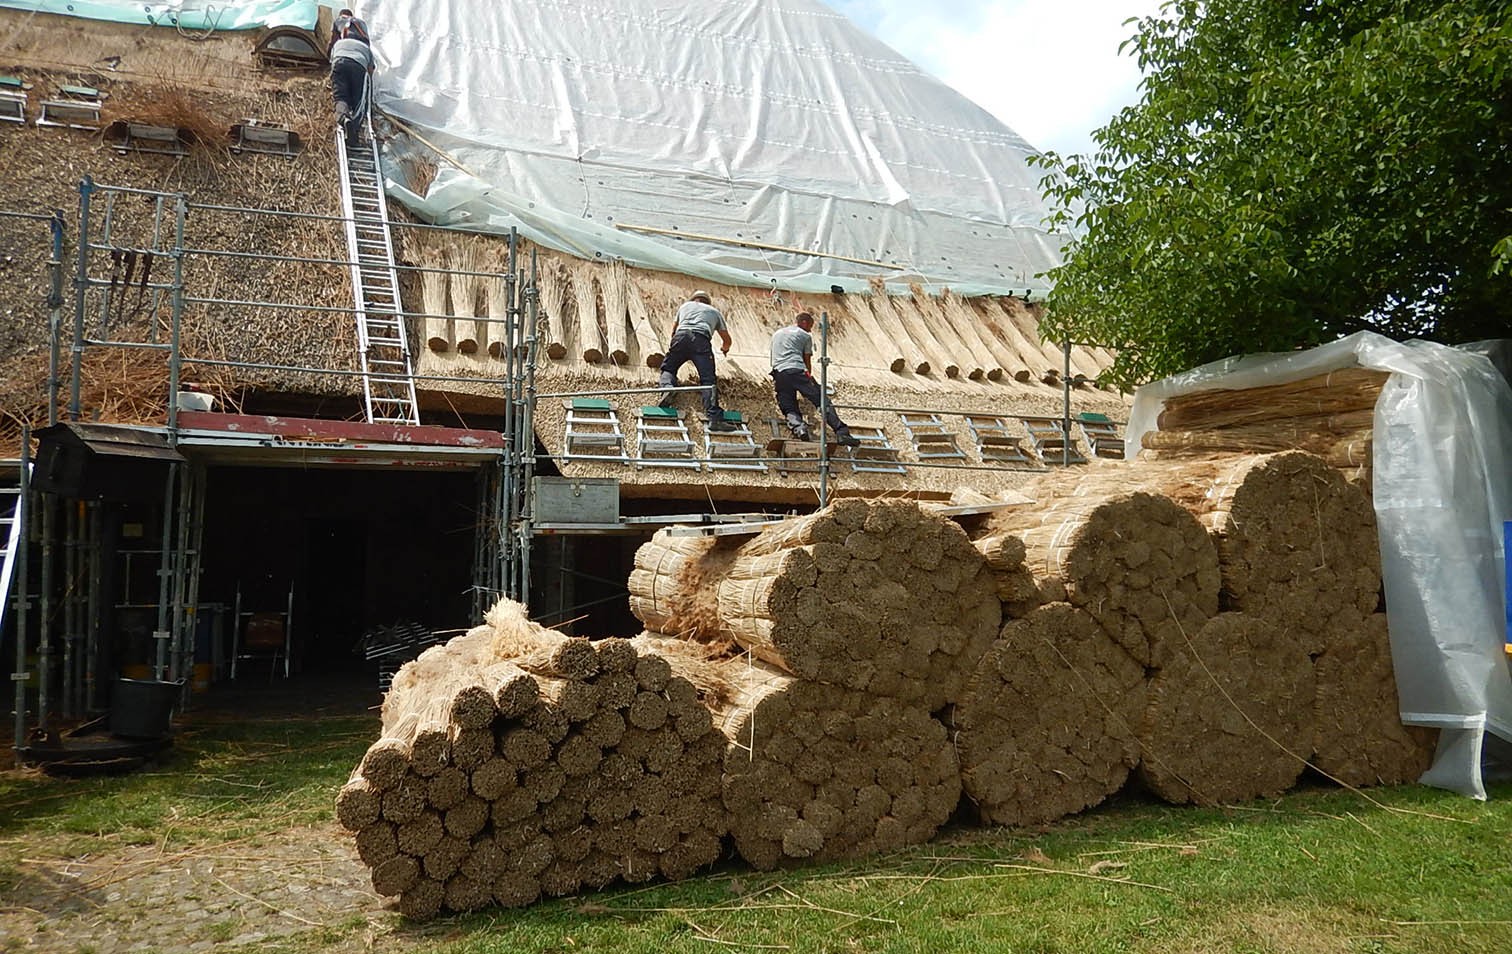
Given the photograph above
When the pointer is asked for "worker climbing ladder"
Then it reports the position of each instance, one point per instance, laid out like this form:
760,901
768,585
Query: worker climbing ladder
388,383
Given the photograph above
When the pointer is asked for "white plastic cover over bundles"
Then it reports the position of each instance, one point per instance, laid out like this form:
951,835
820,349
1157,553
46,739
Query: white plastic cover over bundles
1442,486
707,137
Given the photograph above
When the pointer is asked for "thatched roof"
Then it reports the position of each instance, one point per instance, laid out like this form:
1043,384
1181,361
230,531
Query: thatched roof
878,344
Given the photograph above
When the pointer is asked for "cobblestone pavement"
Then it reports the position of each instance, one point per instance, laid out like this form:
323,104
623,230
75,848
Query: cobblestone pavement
303,889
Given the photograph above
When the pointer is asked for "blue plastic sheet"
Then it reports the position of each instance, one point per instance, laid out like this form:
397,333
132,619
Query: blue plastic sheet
196,15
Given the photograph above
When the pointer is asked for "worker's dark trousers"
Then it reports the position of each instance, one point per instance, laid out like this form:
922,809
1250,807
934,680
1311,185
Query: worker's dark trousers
691,346
791,382
348,84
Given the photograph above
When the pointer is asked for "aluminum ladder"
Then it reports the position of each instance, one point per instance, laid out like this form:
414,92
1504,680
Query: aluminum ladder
388,382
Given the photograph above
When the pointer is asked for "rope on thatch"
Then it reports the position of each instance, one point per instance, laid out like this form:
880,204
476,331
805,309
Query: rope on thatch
1229,701
553,305
1360,736
616,289
815,771
589,335
1046,725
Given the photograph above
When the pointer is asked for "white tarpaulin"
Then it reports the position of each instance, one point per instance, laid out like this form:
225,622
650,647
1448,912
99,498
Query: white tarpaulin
1442,487
184,14
728,139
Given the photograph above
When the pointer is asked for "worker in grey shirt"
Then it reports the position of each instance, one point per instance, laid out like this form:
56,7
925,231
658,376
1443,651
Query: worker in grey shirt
693,331
351,65
792,375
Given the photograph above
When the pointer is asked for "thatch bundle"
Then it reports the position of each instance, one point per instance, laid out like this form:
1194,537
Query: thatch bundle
616,291
814,771
873,595
674,585
1227,702
439,329
1047,723
1295,541
1360,736
516,762
551,281
1138,563
1331,415
1335,392
585,297
466,286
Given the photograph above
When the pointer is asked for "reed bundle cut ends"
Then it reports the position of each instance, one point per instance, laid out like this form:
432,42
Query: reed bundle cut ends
1360,736
1139,564
815,772
1047,724
1227,712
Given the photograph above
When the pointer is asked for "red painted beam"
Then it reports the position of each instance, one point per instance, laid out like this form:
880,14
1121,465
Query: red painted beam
337,432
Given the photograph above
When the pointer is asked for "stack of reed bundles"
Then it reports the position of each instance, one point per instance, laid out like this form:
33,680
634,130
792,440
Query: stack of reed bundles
878,596
815,771
1140,565
1230,715
1331,415
1360,737
1048,723
516,762
1295,541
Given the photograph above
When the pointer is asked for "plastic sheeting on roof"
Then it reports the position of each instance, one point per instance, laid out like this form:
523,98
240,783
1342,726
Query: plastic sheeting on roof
1442,488
197,15
710,137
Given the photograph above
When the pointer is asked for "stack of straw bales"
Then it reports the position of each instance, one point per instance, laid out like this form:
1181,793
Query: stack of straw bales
516,763
830,686
845,629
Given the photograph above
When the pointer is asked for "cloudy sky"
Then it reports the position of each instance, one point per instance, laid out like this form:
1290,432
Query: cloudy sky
1049,69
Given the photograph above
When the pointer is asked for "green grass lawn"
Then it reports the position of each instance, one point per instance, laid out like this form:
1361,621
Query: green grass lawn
1405,869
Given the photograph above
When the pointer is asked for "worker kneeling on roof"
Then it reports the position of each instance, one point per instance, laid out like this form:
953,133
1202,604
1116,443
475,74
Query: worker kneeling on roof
692,331
792,375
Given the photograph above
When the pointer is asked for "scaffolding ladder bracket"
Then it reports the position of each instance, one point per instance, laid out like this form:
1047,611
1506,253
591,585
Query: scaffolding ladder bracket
734,449
662,439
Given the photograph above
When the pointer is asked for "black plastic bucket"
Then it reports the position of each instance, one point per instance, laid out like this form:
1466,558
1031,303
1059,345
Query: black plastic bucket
140,708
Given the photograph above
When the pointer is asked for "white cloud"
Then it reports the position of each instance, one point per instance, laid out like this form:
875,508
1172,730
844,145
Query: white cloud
1049,69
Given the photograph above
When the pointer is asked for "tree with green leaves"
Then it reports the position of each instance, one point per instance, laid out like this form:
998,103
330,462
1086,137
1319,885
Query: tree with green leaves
1296,170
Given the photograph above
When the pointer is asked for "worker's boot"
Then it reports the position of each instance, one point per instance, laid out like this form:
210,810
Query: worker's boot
845,438
667,382
720,425
800,430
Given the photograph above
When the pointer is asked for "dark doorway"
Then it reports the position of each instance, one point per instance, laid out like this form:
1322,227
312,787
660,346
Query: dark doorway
335,557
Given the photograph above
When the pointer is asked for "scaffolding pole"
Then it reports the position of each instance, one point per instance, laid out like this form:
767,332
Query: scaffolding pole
21,583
